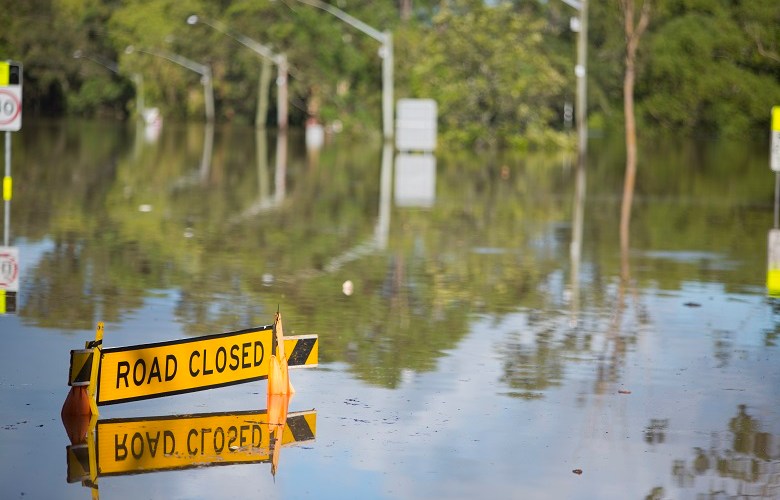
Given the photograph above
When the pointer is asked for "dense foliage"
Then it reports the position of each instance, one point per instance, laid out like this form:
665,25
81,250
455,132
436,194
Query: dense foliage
501,71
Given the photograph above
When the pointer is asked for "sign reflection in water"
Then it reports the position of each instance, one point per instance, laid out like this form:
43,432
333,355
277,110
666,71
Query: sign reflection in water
138,445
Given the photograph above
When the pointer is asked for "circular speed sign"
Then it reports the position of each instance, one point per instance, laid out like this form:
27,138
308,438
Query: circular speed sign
9,269
10,109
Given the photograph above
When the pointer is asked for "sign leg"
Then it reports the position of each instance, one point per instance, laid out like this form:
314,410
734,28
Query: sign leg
7,190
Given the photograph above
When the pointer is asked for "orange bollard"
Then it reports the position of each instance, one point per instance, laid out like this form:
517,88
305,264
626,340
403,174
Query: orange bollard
76,402
76,427
76,414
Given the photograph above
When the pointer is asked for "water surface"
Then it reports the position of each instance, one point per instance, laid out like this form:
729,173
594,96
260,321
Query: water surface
493,340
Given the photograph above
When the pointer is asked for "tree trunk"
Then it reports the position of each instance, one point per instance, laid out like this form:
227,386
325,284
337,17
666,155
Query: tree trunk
633,33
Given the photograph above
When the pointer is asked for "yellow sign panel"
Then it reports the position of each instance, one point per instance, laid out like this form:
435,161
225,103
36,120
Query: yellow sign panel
776,118
152,370
7,188
4,72
131,446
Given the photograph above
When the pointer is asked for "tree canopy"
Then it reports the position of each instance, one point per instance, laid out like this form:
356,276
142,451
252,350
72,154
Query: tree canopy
501,71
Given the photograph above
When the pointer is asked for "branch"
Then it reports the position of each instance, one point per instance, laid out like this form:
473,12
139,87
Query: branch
760,46
644,19
634,32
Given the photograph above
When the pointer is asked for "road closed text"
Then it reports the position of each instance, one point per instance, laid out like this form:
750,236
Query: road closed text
153,370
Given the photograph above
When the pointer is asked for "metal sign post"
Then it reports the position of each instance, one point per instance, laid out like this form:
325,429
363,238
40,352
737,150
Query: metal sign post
7,188
10,121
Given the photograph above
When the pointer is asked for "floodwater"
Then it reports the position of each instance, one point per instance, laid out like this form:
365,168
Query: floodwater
481,335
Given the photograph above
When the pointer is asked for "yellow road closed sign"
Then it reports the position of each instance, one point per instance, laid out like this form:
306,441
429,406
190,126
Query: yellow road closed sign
160,369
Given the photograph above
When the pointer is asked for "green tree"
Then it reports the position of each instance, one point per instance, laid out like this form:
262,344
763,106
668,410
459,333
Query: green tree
492,73
160,25
699,75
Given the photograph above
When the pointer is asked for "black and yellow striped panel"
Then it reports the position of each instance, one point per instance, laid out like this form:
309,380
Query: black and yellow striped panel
302,426
78,463
80,367
302,350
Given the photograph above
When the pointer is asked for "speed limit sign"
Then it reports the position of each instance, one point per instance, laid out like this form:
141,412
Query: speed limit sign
10,96
9,269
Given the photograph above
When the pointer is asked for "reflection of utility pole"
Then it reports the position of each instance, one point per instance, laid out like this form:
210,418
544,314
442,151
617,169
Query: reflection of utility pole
385,188
265,52
280,175
385,52
581,71
263,184
208,146
382,228
203,70
575,250
138,80
265,202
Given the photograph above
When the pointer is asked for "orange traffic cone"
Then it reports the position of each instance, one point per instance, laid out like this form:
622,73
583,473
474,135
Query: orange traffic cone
278,378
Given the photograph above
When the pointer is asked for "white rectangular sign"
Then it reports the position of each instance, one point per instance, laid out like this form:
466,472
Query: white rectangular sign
416,125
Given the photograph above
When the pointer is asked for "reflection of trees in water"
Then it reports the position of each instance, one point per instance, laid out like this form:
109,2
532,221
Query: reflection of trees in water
486,247
76,284
531,367
748,457
655,432
628,322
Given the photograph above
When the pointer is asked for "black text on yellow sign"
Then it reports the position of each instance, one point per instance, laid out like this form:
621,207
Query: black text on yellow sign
132,446
161,369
